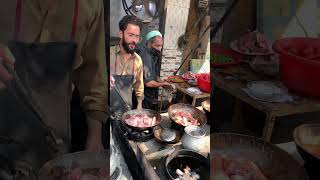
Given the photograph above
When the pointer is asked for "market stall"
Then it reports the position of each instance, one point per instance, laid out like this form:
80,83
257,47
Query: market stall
273,73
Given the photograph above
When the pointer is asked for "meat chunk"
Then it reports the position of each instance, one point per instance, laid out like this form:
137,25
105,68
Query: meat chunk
184,118
253,42
140,120
235,169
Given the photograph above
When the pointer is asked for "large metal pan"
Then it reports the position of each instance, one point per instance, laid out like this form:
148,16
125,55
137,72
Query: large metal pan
307,140
55,168
275,163
179,159
149,112
196,113
206,108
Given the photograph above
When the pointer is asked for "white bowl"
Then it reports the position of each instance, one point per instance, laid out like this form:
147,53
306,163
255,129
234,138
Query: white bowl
263,89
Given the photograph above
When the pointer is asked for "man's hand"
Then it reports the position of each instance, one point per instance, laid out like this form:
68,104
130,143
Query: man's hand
112,82
5,58
94,142
5,76
139,105
166,84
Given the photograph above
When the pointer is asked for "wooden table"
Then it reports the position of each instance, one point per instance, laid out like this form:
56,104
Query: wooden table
272,110
182,87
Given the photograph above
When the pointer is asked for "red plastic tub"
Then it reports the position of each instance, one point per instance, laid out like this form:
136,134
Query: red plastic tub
300,64
203,81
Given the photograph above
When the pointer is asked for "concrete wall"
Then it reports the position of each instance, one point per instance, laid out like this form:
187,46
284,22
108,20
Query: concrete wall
241,18
177,12
277,18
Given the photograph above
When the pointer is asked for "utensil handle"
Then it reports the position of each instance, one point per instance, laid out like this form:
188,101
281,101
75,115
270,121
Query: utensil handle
159,154
16,88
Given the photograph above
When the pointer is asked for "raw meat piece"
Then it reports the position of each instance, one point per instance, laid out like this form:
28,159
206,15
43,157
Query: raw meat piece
141,120
235,169
74,174
104,172
253,42
184,118
188,75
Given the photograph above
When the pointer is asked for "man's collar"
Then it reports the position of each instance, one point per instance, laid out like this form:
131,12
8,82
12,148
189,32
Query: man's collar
118,50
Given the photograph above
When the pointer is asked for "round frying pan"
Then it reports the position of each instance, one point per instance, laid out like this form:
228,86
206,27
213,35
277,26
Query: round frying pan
56,168
196,113
179,159
275,163
305,135
149,112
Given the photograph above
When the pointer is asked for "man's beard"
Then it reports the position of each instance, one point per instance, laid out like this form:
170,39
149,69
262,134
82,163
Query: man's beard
155,52
126,47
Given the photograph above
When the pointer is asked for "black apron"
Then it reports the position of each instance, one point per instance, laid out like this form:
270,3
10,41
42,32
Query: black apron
121,101
150,93
44,70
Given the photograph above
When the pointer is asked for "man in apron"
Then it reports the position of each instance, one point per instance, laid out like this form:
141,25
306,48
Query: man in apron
57,46
126,68
151,56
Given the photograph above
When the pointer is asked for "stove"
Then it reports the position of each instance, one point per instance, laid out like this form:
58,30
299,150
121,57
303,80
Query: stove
137,135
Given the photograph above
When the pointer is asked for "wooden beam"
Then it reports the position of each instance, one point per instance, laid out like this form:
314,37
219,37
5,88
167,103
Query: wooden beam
192,34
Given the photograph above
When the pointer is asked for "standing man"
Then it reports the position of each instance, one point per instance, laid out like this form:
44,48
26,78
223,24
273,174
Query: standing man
126,67
151,56
58,38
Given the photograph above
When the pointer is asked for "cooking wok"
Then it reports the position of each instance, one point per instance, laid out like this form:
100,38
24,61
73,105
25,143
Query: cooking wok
196,113
149,112
179,159
275,163
307,140
206,108
84,160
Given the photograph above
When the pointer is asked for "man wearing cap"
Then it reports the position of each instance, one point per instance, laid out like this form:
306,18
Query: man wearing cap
151,55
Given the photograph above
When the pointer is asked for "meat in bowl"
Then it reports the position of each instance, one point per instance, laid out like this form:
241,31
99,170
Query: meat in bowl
140,120
75,172
228,168
184,118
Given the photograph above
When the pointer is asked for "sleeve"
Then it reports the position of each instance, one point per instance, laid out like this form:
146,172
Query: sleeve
148,72
91,77
138,82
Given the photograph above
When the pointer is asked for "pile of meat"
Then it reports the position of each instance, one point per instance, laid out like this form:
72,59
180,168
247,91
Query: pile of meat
253,42
188,75
76,173
187,174
140,120
184,118
224,168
